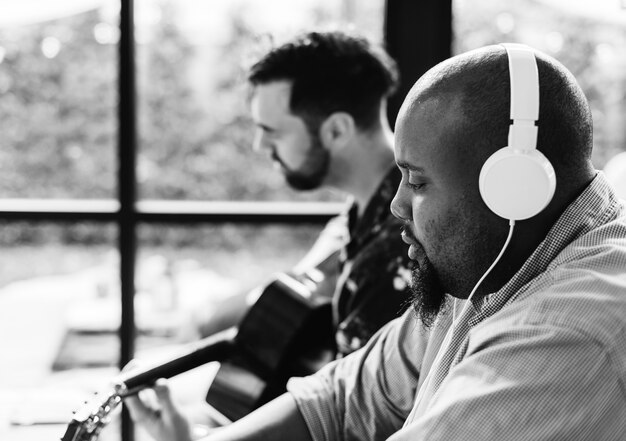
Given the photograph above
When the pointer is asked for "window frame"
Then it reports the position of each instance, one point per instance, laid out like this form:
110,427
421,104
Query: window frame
405,22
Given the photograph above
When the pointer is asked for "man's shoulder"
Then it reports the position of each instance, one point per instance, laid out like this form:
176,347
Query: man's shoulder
602,247
580,296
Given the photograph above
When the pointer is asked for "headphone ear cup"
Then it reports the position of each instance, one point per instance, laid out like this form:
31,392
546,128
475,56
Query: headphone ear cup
517,184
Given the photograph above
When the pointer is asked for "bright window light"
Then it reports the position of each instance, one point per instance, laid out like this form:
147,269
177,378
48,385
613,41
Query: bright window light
50,47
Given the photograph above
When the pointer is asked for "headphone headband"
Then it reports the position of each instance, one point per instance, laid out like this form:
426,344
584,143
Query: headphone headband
524,96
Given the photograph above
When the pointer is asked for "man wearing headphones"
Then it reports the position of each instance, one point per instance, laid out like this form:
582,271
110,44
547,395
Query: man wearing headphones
518,326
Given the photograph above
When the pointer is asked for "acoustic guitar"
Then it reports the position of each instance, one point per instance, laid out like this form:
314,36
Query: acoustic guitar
287,332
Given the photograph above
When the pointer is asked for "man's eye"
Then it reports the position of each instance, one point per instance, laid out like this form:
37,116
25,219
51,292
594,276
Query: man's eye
415,186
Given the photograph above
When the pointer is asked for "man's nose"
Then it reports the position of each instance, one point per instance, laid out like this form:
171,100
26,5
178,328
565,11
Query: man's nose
260,144
256,143
400,206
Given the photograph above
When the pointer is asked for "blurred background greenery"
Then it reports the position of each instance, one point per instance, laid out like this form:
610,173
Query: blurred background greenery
58,97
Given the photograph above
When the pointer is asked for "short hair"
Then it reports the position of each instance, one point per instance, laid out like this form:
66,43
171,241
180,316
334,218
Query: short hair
330,72
481,79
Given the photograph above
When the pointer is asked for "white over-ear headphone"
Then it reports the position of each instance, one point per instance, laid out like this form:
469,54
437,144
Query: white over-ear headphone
518,181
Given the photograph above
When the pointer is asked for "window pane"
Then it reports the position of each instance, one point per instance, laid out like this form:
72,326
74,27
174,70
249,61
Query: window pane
596,56
57,98
184,272
195,131
59,309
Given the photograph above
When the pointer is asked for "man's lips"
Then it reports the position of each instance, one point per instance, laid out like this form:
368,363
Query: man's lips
407,236
276,159
415,248
406,239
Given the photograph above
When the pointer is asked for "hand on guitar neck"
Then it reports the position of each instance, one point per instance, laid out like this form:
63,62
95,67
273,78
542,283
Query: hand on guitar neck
288,331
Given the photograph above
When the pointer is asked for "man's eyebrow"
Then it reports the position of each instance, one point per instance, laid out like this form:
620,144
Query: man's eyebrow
407,166
265,127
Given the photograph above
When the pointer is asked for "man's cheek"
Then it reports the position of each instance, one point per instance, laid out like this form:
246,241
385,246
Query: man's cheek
426,232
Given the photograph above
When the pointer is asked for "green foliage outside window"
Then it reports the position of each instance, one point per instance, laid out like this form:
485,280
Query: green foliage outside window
58,97
591,46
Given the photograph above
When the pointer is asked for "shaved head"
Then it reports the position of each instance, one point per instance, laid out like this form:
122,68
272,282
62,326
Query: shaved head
478,82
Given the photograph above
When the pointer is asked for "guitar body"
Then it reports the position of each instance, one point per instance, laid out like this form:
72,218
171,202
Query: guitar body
288,332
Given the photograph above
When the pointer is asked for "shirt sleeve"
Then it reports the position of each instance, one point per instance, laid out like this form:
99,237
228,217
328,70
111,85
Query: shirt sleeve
526,382
369,393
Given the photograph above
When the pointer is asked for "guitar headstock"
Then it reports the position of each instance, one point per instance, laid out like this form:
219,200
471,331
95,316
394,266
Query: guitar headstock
93,416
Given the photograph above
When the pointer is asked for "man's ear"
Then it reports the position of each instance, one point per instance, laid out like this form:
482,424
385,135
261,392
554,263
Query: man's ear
337,130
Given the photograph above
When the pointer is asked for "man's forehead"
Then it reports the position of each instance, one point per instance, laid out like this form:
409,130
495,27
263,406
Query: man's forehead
273,93
270,101
424,114
426,131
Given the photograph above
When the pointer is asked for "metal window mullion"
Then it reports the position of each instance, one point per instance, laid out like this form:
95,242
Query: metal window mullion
127,153
418,35
178,211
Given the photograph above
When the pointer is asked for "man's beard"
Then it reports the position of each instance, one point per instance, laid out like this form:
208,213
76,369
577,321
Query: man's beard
427,294
317,161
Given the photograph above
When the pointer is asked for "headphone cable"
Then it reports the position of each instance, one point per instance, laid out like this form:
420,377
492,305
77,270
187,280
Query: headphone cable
504,247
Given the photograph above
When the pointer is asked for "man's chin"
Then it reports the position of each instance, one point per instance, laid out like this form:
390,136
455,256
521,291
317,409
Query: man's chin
303,183
428,296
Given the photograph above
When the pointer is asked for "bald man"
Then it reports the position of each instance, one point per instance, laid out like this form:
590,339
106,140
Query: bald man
518,329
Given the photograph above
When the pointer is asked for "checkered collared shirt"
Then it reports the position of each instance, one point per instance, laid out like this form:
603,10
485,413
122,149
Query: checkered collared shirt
544,358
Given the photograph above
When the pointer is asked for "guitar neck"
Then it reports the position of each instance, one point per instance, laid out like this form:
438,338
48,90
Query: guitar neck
213,348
